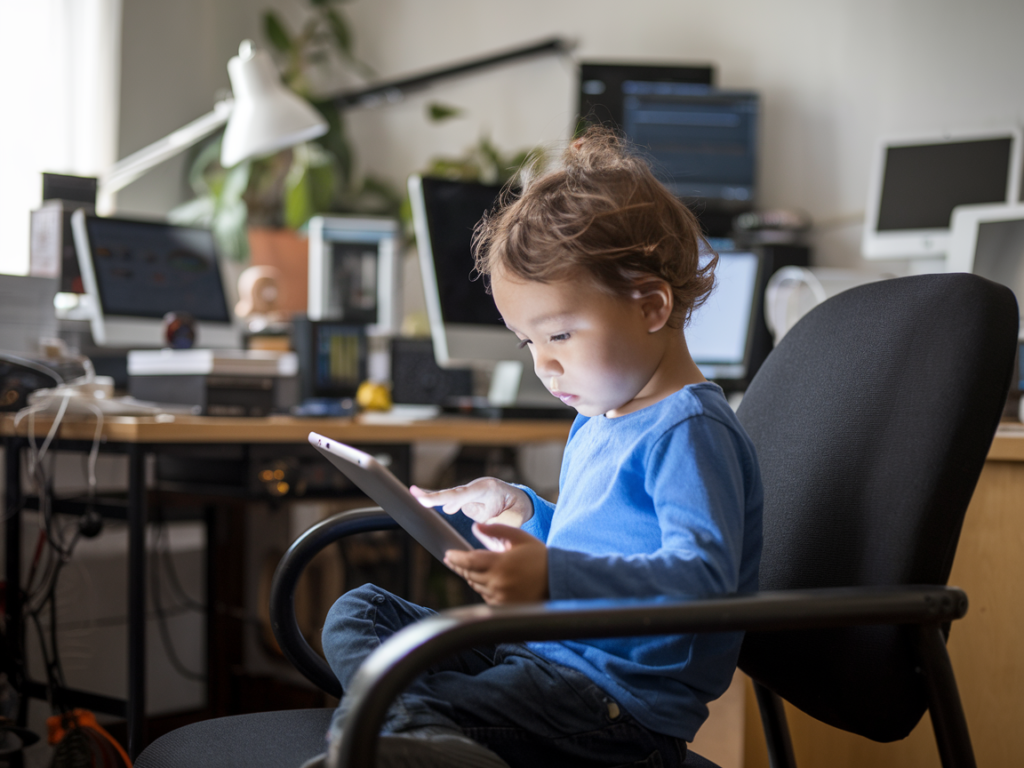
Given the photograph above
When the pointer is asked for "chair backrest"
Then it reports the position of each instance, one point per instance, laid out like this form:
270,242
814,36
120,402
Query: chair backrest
872,420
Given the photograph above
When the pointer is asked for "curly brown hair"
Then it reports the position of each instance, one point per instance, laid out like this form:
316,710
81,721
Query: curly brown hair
602,213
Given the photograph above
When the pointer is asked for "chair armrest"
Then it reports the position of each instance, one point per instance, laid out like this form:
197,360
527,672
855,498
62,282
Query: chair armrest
282,591
389,669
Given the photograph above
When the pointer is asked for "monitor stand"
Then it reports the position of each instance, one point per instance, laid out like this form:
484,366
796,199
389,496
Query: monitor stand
515,393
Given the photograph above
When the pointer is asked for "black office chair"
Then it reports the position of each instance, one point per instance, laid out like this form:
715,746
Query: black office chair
872,420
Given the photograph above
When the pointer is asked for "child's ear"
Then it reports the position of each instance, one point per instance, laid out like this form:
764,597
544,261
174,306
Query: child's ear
656,302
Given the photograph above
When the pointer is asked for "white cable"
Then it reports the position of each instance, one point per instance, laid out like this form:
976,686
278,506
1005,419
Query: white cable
94,451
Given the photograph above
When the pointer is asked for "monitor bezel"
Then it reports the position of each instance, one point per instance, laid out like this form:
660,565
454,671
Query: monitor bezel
473,344
740,382
965,226
138,332
927,243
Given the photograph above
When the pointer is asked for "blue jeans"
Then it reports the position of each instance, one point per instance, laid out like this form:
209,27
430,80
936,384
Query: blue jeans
528,710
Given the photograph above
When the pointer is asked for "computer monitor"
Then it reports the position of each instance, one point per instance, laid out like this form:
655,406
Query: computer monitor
720,334
988,240
135,272
465,325
701,141
602,85
916,184
467,329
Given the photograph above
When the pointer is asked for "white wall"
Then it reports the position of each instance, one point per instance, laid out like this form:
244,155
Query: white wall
174,59
834,76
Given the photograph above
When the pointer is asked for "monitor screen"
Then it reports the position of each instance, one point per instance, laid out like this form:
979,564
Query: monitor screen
135,272
999,254
917,184
453,209
718,335
702,146
339,358
923,184
147,270
601,86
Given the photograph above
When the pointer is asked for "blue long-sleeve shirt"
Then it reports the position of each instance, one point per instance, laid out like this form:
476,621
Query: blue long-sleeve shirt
662,502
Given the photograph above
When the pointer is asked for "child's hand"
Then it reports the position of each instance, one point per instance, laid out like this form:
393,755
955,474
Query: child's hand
486,499
516,573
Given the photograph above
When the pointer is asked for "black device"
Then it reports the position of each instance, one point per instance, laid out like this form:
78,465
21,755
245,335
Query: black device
19,377
775,257
701,142
332,357
417,379
52,249
211,395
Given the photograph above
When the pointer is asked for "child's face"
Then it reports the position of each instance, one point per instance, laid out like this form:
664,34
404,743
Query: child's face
593,350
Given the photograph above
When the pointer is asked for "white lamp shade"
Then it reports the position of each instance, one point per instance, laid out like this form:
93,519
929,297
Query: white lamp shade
267,116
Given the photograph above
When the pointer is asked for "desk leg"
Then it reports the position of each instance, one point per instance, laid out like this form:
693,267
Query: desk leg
136,599
14,621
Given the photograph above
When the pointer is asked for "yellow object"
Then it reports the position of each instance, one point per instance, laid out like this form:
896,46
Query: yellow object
372,396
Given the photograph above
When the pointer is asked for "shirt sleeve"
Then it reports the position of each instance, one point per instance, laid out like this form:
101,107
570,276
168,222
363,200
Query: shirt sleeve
540,524
695,482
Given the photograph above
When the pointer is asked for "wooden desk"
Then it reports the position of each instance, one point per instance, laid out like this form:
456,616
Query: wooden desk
139,437
985,647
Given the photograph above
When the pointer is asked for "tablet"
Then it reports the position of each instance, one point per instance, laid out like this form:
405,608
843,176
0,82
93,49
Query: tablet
371,477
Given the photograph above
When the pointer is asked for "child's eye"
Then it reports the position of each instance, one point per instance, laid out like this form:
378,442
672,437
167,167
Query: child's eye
560,337
523,343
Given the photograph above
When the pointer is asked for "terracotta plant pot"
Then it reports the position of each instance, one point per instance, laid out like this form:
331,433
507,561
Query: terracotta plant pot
288,251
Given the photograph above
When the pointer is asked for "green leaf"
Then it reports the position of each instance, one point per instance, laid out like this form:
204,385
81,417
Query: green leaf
230,231
322,182
438,112
298,196
205,163
236,181
339,28
276,32
198,211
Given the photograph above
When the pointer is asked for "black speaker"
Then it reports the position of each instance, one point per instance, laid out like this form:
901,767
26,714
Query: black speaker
416,378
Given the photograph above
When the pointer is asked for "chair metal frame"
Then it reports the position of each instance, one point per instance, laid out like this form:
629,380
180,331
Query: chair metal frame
389,669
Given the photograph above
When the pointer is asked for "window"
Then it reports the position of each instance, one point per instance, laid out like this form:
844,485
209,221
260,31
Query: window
61,60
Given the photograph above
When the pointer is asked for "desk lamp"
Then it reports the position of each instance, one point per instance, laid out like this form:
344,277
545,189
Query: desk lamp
262,117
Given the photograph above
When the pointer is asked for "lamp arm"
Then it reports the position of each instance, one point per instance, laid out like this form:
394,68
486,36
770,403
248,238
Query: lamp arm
395,90
127,170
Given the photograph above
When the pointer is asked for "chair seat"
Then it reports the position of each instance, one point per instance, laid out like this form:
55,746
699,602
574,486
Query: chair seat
263,740
283,739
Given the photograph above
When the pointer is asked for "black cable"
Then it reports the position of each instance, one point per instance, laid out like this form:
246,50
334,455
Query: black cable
165,633
163,554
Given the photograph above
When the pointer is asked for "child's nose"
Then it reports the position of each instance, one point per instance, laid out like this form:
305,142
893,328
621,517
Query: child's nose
546,365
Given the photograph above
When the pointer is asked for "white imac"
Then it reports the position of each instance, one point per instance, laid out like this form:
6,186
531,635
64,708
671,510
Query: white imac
465,326
988,240
135,272
916,183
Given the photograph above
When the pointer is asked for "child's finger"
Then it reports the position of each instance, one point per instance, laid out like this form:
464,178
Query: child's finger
476,561
450,500
498,532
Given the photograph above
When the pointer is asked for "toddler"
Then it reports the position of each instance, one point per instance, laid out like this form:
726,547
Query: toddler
596,267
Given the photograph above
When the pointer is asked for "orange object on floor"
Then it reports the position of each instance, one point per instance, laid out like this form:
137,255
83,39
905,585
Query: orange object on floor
58,726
